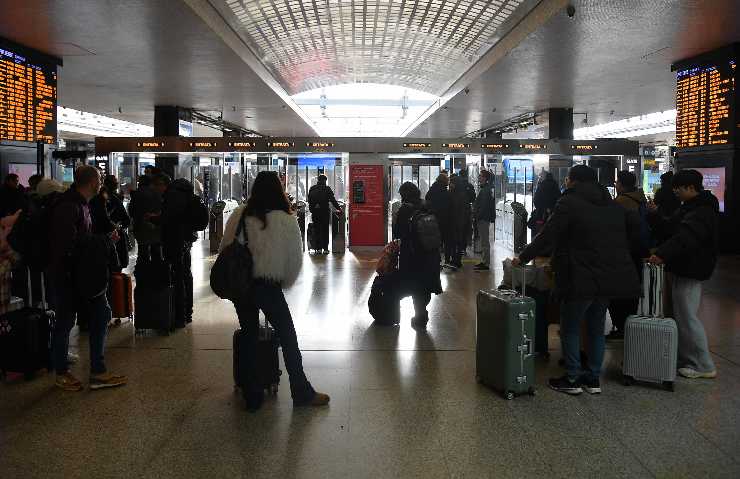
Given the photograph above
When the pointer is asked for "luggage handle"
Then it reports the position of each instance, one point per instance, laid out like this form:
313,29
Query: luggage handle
29,285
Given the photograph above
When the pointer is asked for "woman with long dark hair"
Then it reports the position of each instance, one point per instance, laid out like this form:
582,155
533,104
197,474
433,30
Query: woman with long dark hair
274,239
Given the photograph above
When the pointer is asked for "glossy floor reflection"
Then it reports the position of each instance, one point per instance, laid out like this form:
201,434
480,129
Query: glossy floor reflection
404,404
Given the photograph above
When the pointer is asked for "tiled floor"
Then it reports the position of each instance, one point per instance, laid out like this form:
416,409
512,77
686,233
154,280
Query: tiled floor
404,404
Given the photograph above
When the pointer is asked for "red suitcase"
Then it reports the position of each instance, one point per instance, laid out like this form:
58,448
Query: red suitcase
122,295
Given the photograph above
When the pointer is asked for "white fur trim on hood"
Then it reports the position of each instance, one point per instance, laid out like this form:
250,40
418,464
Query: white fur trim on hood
276,250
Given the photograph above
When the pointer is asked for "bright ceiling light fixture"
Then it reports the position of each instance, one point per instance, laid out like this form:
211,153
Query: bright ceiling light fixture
84,123
363,109
636,126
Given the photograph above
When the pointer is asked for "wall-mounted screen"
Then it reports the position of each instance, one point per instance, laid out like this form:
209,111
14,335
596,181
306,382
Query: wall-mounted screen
28,95
23,170
650,181
714,181
519,171
705,103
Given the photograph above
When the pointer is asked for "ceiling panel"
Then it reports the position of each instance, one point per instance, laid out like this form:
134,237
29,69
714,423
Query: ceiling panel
612,60
420,44
135,54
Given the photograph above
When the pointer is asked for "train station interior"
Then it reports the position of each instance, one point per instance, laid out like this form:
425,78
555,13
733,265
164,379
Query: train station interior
372,97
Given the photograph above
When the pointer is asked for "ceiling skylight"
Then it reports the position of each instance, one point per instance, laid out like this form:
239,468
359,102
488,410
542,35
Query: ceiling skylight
363,109
421,44
633,127
84,123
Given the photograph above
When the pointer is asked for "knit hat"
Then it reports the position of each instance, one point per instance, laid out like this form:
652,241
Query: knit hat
48,186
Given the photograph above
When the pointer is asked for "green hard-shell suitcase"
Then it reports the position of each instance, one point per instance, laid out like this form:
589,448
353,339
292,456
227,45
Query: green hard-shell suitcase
505,334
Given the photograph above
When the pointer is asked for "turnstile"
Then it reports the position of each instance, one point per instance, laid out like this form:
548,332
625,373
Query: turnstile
339,229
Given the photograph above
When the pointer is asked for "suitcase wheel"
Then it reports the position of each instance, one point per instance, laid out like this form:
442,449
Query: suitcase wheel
531,391
273,389
509,395
628,380
668,385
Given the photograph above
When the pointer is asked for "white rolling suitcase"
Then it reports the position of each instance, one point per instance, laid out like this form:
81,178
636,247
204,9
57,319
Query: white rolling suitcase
650,340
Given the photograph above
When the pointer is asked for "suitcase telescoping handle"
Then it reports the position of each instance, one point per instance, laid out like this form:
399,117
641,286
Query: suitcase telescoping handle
29,285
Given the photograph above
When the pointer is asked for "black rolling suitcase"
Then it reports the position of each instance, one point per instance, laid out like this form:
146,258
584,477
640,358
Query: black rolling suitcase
311,237
25,336
153,294
267,364
384,301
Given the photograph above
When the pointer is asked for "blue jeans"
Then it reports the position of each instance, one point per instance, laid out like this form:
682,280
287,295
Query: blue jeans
269,298
572,312
65,304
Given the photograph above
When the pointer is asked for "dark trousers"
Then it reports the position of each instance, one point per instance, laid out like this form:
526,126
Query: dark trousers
182,282
65,304
620,309
449,245
269,298
322,223
421,300
593,312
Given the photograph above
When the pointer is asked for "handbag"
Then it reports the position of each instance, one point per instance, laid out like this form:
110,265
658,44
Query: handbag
388,262
231,274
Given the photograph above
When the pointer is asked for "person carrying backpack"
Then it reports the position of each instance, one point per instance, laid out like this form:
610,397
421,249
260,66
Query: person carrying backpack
183,215
319,197
418,264
634,201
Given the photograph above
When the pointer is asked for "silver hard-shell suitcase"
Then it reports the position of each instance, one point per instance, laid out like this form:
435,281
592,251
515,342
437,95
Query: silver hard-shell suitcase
650,340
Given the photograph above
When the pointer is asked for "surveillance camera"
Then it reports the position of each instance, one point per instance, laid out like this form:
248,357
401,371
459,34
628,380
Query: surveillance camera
467,90
571,11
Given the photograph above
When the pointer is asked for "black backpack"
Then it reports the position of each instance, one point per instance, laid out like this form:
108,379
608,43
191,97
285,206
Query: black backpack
198,213
30,234
425,231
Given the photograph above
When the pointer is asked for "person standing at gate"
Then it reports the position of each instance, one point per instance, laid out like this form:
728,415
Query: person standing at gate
485,214
319,197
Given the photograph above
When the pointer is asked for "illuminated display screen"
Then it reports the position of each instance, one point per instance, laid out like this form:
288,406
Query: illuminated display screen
319,144
28,96
203,144
705,103
280,144
417,145
455,145
584,147
495,146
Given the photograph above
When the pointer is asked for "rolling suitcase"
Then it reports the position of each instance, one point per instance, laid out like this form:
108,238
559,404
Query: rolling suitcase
311,236
122,296
153,295
267,365
25,336
384,301
650,340
520,226
505,333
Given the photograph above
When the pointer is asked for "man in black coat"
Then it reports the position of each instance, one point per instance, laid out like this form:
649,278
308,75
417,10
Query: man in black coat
319,197
463,196
439,201
183,213
590,237
690,254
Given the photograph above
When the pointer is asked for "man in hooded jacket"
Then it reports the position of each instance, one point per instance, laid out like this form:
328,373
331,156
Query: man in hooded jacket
690,255
591,239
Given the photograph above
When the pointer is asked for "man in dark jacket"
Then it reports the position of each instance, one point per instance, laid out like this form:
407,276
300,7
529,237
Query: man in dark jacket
12,197
484,210
634,202
690,254
146,202
70,272
181,210
319,197
463,195
666,203
590,239
439,201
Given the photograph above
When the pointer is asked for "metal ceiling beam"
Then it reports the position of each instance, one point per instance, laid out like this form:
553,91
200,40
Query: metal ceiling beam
509,39
216,22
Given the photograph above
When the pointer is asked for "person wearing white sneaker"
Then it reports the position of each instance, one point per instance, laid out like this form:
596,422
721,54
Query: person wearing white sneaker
690,255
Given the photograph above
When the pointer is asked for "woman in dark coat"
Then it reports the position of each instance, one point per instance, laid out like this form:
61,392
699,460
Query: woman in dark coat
118,216
418,269
439,201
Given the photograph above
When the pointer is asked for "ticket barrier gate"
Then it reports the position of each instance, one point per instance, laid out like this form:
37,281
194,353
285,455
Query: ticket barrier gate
220,213
339,229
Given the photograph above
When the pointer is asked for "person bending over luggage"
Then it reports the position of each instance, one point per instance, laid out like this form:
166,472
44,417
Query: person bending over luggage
274,240
590,237
319,197
690,255
79,268
439,201
418,268
634,202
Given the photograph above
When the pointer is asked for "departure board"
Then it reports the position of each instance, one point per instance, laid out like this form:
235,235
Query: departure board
705,104
28,95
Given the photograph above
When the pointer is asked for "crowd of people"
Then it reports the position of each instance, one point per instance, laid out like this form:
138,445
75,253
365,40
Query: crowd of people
597,247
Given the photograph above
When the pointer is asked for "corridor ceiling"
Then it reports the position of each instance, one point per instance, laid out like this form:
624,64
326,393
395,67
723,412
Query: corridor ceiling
424,45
